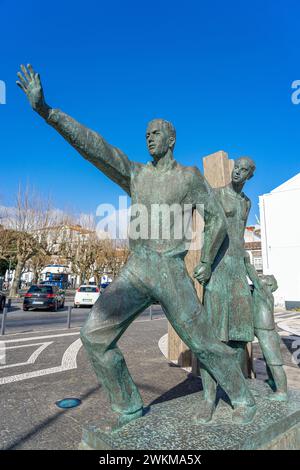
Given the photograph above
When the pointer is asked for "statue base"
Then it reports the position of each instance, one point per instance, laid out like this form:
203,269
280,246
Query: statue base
169,425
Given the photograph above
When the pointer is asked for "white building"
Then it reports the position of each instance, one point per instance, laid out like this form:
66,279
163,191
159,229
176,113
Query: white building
252,239
280,236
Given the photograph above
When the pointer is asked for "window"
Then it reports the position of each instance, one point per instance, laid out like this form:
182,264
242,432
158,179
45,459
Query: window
88,289
41,290
258,264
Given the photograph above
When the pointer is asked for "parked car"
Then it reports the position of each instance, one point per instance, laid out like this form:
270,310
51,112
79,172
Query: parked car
2,301
86,295
45,297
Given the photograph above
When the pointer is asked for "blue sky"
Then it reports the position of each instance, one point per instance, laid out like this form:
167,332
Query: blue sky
221,71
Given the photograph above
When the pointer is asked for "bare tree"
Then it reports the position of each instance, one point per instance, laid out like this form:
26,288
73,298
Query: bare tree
113,256
77,248
24,221
37,263
35,235
8,246
49,236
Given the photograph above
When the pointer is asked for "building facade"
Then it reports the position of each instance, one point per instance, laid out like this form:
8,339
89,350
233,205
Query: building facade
253,246
280,233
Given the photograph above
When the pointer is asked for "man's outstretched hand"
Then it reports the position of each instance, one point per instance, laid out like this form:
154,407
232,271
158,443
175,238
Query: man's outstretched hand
202,273
30,83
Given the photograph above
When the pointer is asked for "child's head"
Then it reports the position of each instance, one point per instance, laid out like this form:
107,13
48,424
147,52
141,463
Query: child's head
270,282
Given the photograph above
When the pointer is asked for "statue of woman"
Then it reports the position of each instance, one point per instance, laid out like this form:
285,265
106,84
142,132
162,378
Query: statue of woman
227,297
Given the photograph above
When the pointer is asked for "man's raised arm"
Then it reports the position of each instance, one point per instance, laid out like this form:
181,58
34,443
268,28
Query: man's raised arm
214,228
110,160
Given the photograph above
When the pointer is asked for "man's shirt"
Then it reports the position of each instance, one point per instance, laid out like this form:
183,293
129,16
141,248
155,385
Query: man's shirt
153,191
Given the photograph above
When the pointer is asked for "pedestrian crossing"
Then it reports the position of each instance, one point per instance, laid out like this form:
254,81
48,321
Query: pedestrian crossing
286,314
288,323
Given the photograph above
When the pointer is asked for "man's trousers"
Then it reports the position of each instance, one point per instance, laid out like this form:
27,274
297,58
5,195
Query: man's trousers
147,277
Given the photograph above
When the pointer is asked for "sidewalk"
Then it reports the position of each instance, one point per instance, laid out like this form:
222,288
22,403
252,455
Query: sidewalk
31,420
289,321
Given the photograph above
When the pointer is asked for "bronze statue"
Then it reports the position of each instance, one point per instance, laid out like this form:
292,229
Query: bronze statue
265,331
227,296
155,270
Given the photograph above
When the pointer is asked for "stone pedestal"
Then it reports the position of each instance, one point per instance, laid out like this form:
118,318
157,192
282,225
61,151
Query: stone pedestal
169,425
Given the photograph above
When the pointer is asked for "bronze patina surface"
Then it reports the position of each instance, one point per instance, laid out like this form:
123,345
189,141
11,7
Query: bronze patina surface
155,270
227,296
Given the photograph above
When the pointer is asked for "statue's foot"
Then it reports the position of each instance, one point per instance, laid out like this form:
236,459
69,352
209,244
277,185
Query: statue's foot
205,413
117,421
278,396
243,414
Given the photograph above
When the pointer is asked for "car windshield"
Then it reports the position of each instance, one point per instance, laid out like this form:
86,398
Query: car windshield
40,290
88,289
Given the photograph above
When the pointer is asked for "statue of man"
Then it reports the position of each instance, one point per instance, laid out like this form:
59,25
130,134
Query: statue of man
155,270
227,296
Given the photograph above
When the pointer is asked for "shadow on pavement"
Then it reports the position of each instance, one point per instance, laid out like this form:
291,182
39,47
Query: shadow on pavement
190,385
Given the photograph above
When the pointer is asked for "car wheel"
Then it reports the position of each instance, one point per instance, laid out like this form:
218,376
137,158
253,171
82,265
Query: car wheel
25,309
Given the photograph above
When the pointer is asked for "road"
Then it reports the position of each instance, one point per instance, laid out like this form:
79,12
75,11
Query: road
18,321
45,366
